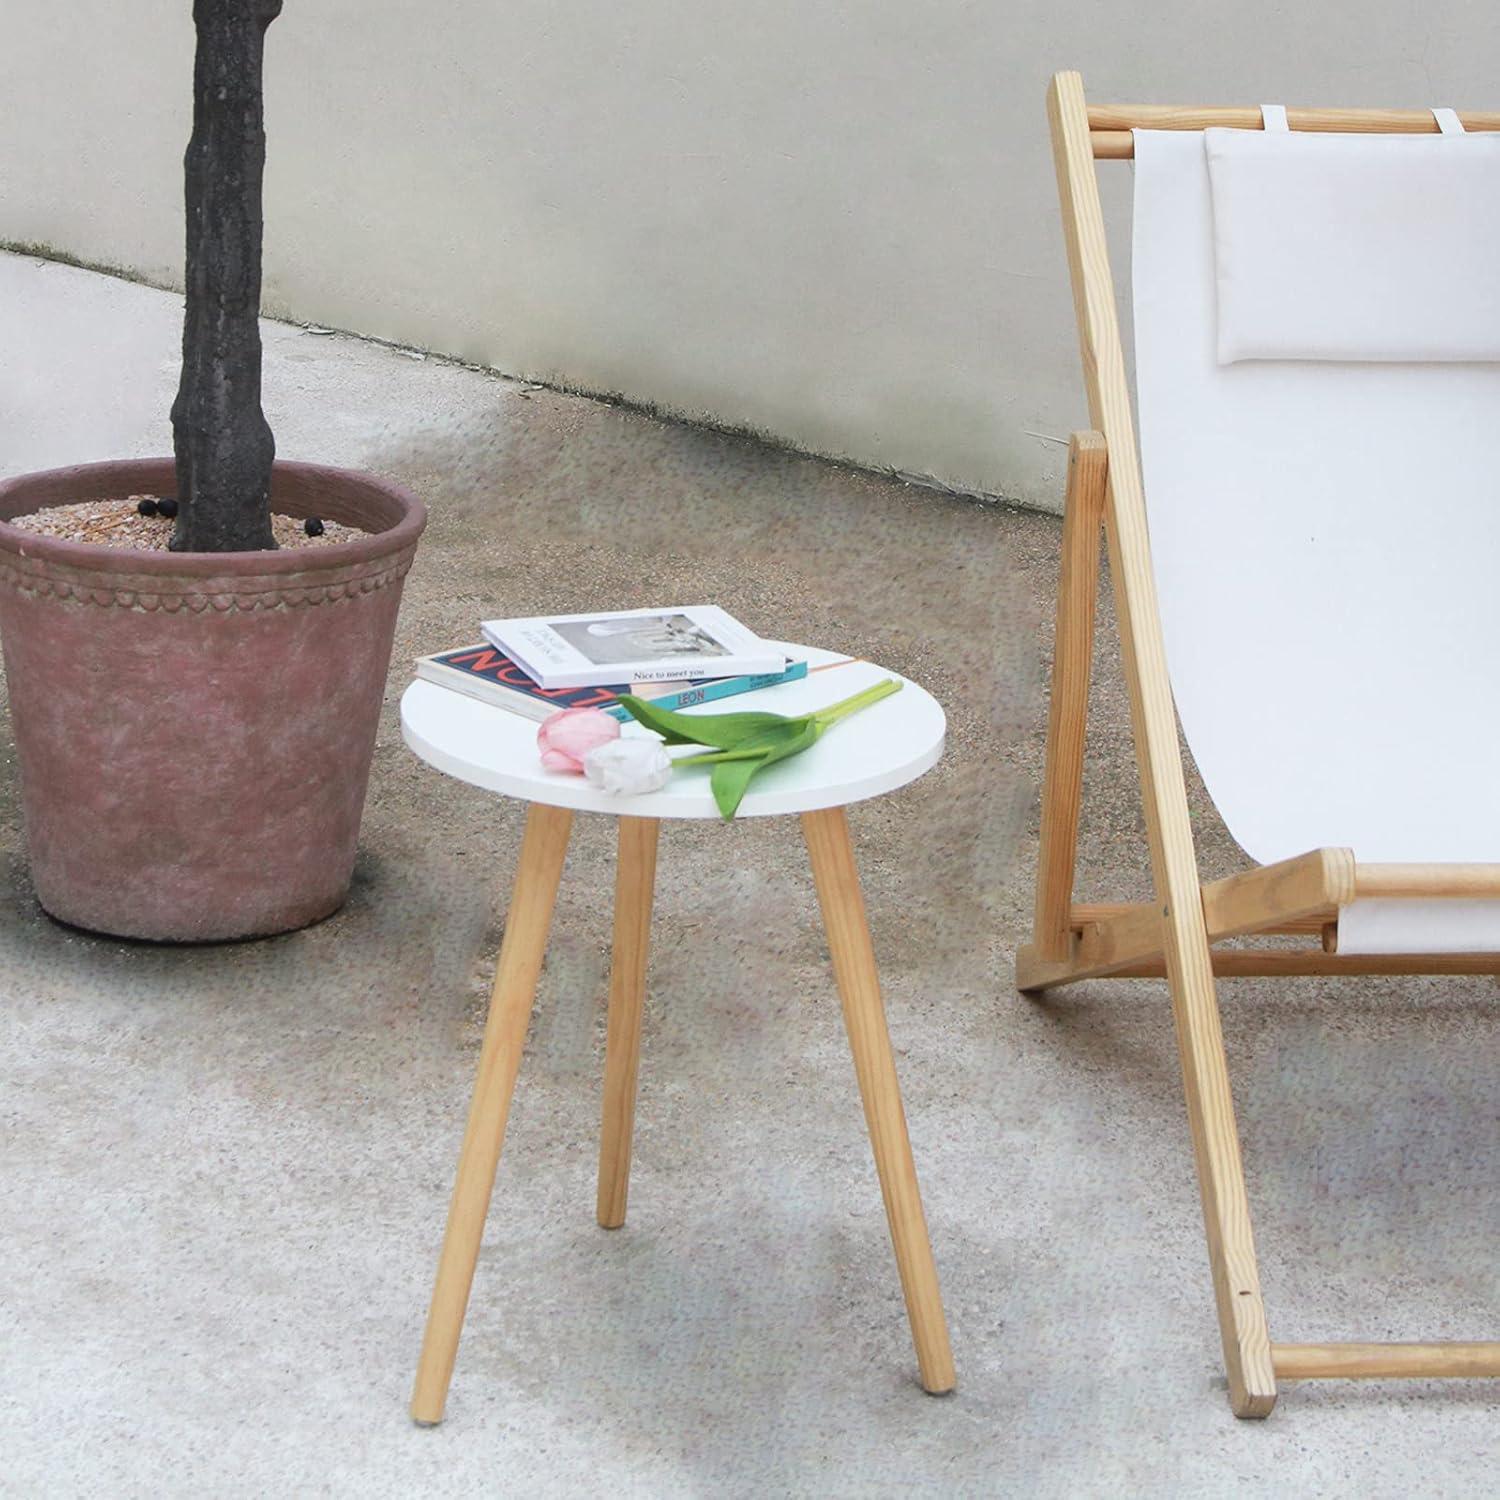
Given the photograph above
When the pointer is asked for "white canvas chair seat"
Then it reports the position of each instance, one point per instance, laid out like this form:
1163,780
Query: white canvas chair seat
1307,577
1326,542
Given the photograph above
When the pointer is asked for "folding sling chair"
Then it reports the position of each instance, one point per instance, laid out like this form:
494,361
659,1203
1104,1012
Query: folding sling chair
1322,477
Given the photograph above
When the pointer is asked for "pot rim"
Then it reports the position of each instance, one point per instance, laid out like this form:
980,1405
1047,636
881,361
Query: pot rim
97,557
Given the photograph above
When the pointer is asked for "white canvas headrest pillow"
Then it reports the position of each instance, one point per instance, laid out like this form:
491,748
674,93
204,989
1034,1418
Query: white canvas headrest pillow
1356,247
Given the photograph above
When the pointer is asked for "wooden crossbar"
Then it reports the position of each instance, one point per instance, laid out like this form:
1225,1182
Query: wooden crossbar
1426,882
1386,1361
1308,886
1110,125
1085,913
1295,897
1123,940
1379,881
1293,963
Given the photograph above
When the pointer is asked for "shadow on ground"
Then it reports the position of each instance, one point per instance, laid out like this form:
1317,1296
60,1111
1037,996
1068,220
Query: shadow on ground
226,1169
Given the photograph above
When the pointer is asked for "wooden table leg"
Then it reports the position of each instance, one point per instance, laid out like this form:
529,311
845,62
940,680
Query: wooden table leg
635,881
543,850
834,871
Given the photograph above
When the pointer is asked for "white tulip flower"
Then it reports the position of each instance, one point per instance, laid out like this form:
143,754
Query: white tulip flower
628,767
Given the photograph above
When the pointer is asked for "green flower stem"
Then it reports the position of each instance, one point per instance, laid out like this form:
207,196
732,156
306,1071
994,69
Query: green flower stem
841,710
712,757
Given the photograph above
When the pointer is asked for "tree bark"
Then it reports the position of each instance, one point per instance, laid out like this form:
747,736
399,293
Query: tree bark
222,442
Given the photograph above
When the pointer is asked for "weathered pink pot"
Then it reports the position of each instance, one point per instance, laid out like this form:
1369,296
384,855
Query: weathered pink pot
195,730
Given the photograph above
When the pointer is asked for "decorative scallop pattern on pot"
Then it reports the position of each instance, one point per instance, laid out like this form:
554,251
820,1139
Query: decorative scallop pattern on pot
247,595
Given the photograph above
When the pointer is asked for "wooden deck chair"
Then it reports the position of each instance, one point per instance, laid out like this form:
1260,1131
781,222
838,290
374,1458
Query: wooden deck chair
1325,524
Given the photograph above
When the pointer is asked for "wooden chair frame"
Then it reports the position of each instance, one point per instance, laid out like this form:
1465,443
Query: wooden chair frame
1174,936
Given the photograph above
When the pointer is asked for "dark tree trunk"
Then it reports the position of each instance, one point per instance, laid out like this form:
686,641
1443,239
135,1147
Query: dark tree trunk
222,442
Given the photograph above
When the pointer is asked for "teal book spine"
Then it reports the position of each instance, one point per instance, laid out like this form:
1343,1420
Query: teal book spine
710,692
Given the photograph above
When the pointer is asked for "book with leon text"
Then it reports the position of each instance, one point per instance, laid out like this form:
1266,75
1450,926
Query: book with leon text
488,674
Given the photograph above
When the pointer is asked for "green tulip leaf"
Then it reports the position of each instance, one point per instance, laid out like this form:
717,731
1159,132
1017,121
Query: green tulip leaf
731,778
753,746
724,731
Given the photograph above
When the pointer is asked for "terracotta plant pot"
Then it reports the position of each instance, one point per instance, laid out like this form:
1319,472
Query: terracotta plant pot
194,730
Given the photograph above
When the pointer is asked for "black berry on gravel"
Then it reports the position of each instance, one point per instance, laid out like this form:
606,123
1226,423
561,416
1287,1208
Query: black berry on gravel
149,507
167,508
313,526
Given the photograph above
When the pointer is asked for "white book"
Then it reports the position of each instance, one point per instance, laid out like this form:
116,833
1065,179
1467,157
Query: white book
632,645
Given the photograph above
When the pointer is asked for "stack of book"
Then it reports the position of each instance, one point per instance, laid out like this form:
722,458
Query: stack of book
676,657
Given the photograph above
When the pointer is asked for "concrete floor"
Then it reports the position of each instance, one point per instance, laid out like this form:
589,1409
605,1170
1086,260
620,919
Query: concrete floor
226,1169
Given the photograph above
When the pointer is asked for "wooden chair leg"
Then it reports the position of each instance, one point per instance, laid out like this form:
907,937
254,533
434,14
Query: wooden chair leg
1221,1176
635,879
543,850
837,879
1226,1212
1067,713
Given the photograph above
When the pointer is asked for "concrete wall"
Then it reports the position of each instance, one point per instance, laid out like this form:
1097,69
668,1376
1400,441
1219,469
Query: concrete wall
832,221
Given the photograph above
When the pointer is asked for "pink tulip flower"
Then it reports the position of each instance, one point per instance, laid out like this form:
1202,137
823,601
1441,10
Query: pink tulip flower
568,735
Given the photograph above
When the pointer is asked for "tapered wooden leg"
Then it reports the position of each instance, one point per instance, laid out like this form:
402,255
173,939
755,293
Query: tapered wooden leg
1072,652
635,880
526,924
827,834
1221,1175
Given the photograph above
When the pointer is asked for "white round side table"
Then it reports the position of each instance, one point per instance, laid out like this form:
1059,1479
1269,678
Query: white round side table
877,750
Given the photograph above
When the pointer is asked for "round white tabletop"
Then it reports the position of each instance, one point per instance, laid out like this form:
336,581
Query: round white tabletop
874,751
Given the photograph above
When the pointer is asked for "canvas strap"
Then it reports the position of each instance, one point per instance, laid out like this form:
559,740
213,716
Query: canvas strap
1273,117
